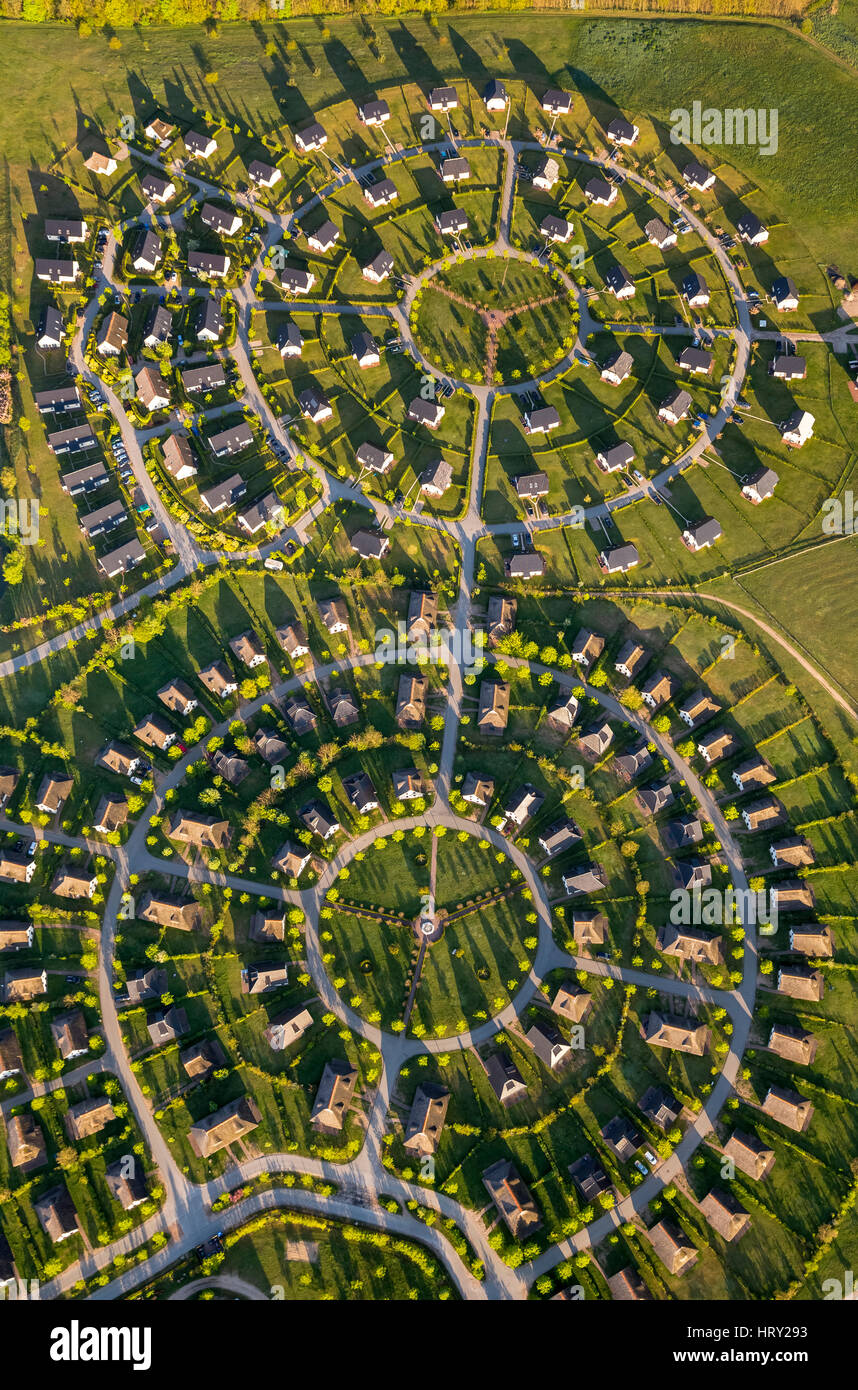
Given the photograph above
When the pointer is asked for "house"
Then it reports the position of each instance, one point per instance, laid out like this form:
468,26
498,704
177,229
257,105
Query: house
226,494
128,1189
587,878
248,649
760,485
302,719
423,412
556,228
622,132
426,1118
54,791
763,814
289,340
20,986
361,793
541,420
495,95
561,835
317,816
589,1177
792,896
675,407
226,1126
199,831
141,985
113,335
209,378
522,804
500,618
658,689
155,732
749,1154
266,511
532,485
437,478
407,784
374,112
548,1043
546,173
293,639
324,237
631,656
493,707
268,925
88,1117
557,103
157,190
587,647
698,707
563,714
25,1141
291,859
365,350
56,272
589,928
50,334
788,368
695,290
260,979
159,131
696,361
199,145
99,163
82,481
314,405
660,1108
71,441
9,779
571,1001
676,1033
701,534
751,229
451,222
411,701
262,174
70,1035
120,561
798,429
288,1028
16,936
674,1248
152,390
693,873
628,1285
312,137
379,194
57,1214
697,176
618,282
334,1096
178,457
513,1199
680,834
617,368
622,1138
788,1108
443,99
343,707
334,615
596,740
527,564
793,1044
148,251
794,851
618,559
634,761
209,320
379,268
715,746
229,766
601,192
784,294
659,234
121,759
297,281
422,614
690,944
653,799
504,1078
158,327
226,221
178,696
478,789
813,941
370,545
167,1026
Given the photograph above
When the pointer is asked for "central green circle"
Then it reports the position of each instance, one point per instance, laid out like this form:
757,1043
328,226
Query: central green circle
370,946
535,321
